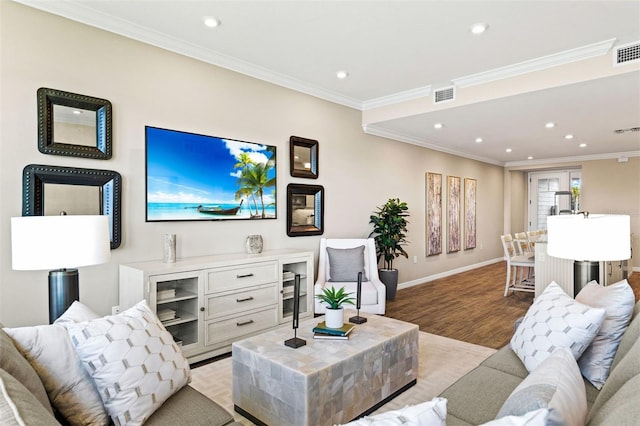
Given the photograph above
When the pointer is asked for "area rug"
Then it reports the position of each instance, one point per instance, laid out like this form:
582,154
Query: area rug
442,362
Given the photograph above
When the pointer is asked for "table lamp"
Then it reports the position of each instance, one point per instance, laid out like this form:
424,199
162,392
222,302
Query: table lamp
64,242
588,240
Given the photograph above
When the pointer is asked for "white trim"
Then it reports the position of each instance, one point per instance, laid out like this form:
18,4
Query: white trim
553,60
606,156
376,131
445,274
396,98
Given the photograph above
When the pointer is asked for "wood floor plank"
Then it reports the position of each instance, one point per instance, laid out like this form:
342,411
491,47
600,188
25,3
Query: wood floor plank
469,306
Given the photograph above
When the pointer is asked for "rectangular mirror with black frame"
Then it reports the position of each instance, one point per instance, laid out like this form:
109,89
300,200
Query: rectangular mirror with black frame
50,190
74,125
305,210
303,157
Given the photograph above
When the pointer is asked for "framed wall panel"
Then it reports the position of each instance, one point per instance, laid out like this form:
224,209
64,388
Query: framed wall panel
453,214
434,213
470,190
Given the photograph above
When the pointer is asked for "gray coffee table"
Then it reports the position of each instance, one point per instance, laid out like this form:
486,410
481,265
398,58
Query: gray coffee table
327,381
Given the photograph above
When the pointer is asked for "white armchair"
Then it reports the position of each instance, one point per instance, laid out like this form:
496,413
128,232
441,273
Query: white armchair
373,291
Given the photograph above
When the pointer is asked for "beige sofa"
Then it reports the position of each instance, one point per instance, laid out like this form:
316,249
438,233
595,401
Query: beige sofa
23,399
477,397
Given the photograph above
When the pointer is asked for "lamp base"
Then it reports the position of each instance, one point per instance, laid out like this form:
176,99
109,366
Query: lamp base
583,273
63,291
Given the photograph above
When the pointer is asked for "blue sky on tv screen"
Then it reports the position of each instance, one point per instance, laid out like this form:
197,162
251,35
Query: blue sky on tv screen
190,168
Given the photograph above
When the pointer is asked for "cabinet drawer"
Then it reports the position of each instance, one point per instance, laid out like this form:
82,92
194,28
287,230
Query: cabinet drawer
241,301
242,276
236,328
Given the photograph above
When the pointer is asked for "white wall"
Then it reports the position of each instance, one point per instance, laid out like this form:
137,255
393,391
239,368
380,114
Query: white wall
149,86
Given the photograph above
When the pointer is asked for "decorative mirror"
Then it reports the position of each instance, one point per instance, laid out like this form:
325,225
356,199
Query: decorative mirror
73,125
305,210
74,191
303,157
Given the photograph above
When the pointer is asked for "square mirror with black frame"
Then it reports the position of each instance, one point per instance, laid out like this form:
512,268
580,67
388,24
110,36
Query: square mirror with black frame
303,157
305,210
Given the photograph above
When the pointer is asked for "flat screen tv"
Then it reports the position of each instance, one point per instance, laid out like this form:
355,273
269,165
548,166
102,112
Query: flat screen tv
198,177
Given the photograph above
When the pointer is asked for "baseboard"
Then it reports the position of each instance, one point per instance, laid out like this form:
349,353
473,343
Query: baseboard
448,273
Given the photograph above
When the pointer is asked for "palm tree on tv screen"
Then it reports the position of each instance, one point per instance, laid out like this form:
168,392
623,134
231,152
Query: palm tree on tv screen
244,161
255,178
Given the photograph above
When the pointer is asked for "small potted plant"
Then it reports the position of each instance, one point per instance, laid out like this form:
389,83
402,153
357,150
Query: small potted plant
334,314
389,227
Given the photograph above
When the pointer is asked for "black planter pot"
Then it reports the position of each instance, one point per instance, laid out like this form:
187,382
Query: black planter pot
390,279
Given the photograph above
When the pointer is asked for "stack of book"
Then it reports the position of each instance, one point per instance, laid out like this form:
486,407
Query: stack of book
169,293
321,331
288,275
166,314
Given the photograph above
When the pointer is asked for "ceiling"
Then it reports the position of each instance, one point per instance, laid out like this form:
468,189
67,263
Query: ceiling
397,53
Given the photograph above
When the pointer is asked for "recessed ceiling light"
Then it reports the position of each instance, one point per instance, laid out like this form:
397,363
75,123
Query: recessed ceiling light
342,74
438,126
583,145
529,158
479,28
569,136
508,150
478,140
77,111
211,22
550,125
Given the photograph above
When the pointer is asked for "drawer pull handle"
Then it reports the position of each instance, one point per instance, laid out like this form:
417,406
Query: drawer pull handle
244,276
246,299
240,324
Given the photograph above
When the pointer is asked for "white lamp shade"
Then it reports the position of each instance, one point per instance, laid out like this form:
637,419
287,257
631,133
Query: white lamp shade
597,237
56,242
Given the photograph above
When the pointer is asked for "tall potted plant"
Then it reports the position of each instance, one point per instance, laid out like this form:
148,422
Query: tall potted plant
389,228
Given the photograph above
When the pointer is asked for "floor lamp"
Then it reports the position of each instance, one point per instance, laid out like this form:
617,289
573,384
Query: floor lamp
62,242
588,240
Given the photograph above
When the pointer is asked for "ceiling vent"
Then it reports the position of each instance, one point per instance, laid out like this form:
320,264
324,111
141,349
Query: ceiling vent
627,53
630,129
445,94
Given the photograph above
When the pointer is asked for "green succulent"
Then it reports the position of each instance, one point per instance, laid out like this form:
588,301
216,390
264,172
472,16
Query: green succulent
335,299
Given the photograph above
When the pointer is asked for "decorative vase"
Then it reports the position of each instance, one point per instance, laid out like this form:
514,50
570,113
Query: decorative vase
254,244
389,278
169,248
334,318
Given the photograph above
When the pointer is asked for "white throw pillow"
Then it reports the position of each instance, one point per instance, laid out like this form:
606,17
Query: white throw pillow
133,361
77,312
430,413
618,300
70,388
555,385
553,321
532,418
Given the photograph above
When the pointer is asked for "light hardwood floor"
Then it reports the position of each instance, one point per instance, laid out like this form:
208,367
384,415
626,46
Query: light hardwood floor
469,306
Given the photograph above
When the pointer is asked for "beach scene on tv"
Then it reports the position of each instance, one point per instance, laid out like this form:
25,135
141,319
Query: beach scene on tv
198,177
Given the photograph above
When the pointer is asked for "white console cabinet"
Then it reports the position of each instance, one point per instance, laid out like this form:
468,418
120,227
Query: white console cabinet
209,302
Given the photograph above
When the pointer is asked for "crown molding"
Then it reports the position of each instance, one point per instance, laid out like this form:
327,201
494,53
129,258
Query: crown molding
579,158
556,59
376,131
87,16
395,98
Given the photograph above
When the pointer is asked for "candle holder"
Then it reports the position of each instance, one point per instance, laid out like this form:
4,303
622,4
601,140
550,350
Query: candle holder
358,319
295,342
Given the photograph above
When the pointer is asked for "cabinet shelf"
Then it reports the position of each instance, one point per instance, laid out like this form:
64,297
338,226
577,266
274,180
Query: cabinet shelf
180,295
181,318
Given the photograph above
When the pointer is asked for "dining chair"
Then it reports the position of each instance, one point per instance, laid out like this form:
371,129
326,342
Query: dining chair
517,267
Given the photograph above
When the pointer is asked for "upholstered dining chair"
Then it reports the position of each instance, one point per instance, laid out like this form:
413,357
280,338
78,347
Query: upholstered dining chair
519,265
339,261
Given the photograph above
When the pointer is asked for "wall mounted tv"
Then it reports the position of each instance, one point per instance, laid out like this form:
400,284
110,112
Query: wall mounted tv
198,177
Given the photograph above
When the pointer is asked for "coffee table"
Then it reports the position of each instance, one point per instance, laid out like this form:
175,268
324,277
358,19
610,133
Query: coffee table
325,382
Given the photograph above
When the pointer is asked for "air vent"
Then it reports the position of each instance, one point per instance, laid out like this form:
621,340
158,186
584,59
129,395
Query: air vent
444,95
630,129
627,53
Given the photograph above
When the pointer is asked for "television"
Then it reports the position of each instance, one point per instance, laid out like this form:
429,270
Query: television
198,177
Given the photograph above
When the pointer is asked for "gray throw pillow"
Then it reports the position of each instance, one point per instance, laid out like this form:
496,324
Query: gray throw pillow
344,264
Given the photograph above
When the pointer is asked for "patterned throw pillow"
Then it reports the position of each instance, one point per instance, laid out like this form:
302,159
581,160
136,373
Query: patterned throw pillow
133,361
430,413
618,299
553,321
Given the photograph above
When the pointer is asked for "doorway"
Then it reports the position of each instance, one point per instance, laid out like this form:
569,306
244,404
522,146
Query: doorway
543,201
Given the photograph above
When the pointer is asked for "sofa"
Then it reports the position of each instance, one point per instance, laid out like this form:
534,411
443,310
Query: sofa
478,397
26,393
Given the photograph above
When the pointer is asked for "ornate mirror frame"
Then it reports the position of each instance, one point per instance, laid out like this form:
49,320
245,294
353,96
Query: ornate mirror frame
305,210
303,157
48,98
109,183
